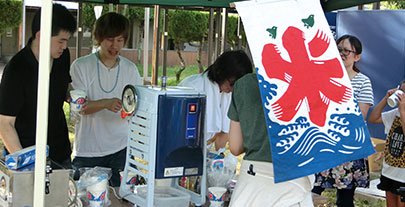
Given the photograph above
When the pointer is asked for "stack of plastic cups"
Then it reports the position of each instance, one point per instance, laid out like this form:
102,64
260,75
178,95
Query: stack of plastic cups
97,192
216,196
78,98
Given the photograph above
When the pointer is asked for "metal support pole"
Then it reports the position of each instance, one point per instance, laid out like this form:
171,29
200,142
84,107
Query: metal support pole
217,32
79,38
23,26
224,29
146,46
155,50
164,46
210,37
41,134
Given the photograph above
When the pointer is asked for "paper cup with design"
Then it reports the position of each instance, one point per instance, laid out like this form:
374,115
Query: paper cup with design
77,100
131,179
97,192
216,196
394,98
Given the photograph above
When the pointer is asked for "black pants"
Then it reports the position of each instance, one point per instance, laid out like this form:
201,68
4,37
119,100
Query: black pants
114,161
344,198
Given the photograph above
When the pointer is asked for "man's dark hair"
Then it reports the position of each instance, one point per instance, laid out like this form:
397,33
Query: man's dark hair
231,66
111,25
62,20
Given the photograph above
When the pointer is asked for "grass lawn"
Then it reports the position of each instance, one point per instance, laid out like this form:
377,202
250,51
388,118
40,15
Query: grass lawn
171,73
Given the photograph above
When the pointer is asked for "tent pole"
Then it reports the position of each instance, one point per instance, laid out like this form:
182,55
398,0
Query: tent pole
210,37
42,103
155,50
165,34
217,32
224,29
146,46
79,38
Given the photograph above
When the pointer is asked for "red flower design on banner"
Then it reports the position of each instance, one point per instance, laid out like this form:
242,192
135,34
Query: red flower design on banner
310,81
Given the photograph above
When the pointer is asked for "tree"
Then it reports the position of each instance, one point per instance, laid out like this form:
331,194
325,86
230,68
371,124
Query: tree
232,30
132,13
396,4
186,26
10,14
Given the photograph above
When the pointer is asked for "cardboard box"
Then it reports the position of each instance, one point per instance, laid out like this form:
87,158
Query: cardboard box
375,160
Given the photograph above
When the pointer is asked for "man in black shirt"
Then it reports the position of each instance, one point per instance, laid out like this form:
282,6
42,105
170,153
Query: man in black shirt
19,88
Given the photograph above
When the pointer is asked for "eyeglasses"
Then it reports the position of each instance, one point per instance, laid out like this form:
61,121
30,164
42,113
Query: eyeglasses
345,51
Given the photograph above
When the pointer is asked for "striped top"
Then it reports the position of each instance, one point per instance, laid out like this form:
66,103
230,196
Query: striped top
362,89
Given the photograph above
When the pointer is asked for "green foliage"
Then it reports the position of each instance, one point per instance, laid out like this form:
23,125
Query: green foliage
10,14
138,13
89,18
187,26
232,31
396,5
171,71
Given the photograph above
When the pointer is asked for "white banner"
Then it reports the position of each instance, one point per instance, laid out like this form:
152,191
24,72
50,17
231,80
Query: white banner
314,121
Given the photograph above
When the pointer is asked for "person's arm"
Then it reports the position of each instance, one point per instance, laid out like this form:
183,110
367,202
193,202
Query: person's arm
112,104
70,87
364,107
401,109
221,139
235,138
9,134
375,115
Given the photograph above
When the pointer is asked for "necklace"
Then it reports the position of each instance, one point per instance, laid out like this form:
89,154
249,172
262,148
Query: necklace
99,80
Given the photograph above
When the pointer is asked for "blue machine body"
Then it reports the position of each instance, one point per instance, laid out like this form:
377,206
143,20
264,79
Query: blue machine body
180,136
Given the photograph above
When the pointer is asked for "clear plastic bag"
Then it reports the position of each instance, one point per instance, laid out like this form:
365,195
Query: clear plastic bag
74,117
220,171
94,178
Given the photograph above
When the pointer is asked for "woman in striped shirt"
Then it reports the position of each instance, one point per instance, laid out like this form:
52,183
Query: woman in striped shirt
346,177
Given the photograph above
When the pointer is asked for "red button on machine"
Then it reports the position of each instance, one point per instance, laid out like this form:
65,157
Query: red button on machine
192,108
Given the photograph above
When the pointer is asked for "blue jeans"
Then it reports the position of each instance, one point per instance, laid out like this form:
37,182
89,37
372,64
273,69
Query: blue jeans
114,161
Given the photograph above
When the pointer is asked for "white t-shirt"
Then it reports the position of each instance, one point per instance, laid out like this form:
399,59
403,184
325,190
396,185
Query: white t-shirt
104,132
394,173
217,103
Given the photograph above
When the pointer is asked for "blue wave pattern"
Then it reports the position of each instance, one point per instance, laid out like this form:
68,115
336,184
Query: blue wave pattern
301,148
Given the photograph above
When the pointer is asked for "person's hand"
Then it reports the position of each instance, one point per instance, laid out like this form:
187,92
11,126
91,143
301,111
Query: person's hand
401,102
113,104
390,92
84,106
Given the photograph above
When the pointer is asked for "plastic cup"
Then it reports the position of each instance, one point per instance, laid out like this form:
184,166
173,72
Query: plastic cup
394,98
78,98
97,193
131,179
216,196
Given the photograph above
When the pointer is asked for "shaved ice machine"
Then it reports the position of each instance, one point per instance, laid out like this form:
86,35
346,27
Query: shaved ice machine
165,139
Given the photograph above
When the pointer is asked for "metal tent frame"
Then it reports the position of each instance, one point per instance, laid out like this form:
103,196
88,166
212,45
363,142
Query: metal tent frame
44,66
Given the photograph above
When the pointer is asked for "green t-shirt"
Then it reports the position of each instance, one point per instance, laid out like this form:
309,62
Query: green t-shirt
246,108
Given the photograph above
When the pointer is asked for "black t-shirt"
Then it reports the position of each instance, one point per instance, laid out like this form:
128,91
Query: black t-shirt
18,97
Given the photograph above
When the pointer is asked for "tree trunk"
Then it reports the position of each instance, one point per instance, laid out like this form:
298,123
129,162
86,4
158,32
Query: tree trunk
182,62
200,67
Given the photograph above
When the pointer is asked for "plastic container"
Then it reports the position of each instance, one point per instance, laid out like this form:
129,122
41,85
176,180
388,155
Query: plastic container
166,196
